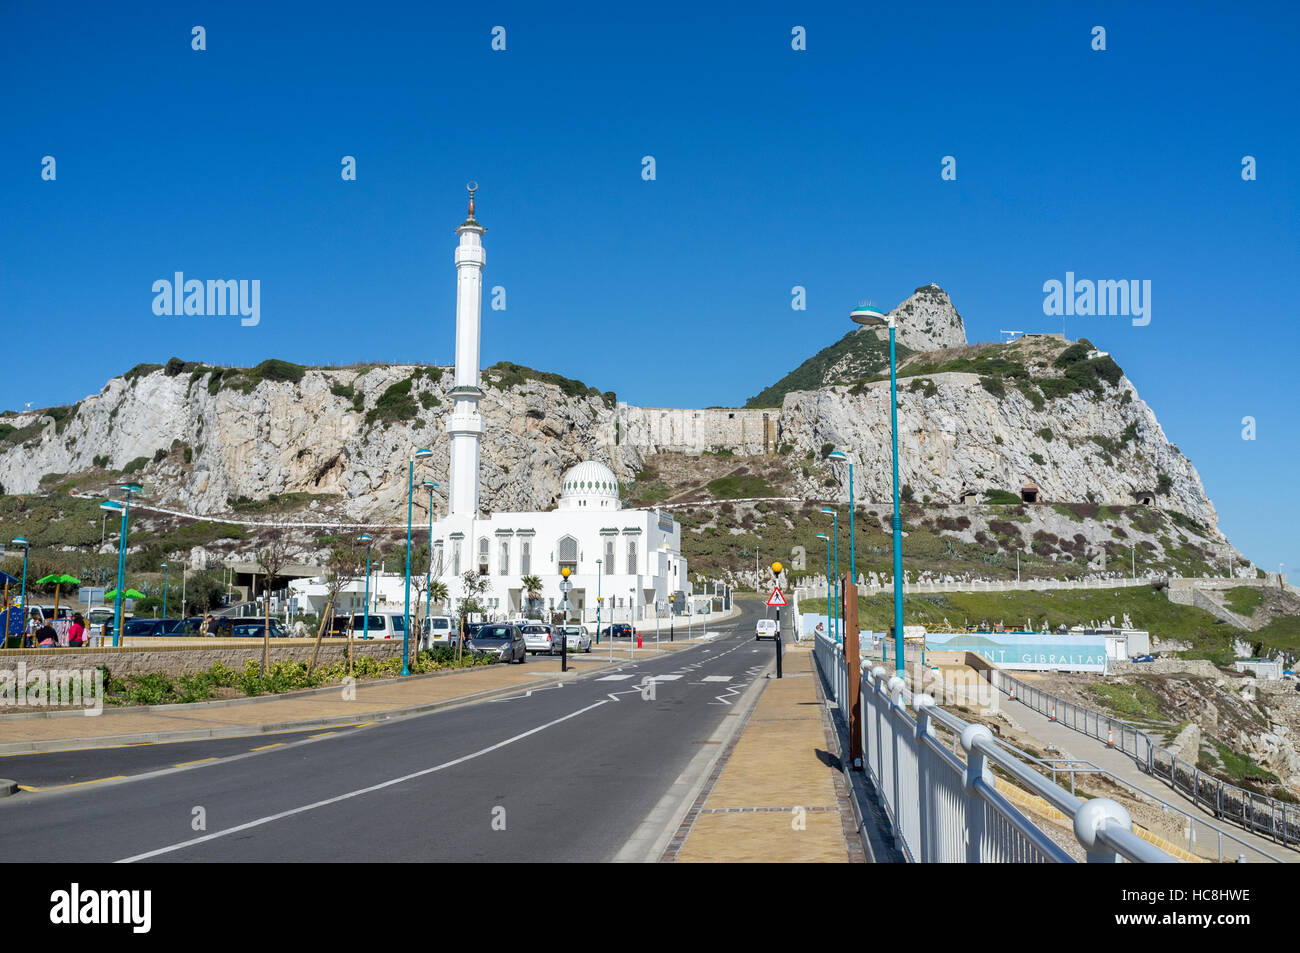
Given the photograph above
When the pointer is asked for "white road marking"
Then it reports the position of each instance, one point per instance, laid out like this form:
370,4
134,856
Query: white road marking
613,678
664,678
351,794
717,678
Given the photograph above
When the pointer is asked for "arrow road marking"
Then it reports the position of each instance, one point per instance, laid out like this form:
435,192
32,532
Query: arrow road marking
351,794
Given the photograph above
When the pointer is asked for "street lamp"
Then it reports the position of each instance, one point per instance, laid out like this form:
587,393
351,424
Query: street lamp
842,457
828,573
365,610
836,616
21,541
428,576
672,600
410,490
164,615
870,316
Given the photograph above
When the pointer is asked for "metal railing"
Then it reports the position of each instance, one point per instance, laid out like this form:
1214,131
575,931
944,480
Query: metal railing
944,810
1258,813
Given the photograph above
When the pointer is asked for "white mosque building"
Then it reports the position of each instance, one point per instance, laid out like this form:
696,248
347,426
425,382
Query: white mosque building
629,559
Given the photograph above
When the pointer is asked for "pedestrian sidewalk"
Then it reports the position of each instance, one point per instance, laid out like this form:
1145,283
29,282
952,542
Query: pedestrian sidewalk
778,794
326,707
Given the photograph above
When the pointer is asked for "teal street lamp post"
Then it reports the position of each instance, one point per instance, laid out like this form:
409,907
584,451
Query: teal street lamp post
873,317
839,636
22,541
164,615
125,509
410,490
428,576
828,573
365,610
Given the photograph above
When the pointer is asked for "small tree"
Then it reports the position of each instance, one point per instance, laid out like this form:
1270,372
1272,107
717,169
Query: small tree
473,585
345,565
275,554
533,586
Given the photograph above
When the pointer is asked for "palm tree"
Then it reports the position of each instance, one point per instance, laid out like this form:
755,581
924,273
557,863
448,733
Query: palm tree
533,586
438,592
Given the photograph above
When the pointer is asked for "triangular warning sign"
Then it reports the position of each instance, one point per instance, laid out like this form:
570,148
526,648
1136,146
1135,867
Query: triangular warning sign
777,598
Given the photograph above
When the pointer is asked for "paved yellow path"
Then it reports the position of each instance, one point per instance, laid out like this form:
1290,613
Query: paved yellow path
779,765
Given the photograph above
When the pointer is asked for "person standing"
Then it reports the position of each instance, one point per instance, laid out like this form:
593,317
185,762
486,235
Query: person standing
77,631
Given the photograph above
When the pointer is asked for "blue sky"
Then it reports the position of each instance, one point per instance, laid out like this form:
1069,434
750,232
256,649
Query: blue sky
774,168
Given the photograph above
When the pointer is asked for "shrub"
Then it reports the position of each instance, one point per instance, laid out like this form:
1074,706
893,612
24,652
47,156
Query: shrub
1001,497
394,405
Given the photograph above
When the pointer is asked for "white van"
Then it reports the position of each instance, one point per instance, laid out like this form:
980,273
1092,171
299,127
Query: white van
439,631
380,625
767,629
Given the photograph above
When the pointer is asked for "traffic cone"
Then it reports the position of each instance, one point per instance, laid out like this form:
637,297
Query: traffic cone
1110,738
1053,718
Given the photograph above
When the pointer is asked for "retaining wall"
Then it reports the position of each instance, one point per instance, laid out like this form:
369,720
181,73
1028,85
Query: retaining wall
174,660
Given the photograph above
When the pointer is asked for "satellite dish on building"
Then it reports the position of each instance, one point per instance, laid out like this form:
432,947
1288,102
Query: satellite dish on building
1011,335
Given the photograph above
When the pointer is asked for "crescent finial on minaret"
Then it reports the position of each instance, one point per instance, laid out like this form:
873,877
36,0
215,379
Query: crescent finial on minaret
471,187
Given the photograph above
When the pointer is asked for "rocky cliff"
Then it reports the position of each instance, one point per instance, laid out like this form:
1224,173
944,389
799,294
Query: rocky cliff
984,420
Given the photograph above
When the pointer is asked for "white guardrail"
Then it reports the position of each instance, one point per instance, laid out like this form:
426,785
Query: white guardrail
944,810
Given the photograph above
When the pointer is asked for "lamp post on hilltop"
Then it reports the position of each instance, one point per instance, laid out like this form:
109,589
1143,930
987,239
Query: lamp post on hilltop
164,615
410,489
428,575
365,615
869,316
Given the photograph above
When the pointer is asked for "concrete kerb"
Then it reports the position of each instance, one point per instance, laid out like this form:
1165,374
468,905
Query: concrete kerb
235,731
8,788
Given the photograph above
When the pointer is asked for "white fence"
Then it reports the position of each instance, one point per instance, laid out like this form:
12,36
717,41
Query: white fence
944,810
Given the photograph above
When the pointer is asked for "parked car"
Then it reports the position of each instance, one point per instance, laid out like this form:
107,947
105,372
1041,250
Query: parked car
251,629
188,626
501,639
576,638
381,625
439,631
619,630
539,637
767,629
148,627
1145,658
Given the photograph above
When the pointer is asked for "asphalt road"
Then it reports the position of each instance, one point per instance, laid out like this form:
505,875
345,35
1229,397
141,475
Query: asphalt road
561,774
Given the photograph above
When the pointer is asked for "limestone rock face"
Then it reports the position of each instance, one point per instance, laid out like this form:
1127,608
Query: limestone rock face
303,437
959,435
926,321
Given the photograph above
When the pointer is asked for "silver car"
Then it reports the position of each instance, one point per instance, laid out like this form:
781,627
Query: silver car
576,638
539,637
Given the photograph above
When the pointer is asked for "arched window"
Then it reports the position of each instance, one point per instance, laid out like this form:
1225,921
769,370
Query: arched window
482,556
609,555
455,557
631,557
503,566
525,557
567,551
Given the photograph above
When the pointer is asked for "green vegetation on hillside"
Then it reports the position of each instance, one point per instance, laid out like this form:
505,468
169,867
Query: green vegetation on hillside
395,405
739,487
1243,600
864,351
506,375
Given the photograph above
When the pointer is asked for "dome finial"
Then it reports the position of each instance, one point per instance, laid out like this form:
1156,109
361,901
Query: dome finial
471,187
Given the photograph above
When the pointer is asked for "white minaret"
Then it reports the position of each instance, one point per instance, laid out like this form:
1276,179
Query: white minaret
465,426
